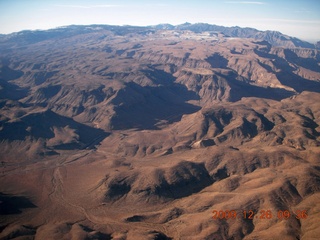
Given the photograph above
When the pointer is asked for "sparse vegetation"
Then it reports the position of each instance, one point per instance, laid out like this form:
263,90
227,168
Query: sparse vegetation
142,132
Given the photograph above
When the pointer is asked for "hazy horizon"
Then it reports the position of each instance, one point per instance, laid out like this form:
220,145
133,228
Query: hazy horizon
295,18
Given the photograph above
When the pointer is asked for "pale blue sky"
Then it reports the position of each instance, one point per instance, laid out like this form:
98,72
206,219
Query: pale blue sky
298,18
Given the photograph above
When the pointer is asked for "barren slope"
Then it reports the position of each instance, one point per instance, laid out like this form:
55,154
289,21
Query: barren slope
143,133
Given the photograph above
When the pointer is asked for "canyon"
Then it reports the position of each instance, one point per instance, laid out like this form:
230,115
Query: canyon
123,132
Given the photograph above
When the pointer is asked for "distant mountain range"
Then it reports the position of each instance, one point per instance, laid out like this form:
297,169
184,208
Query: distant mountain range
275,38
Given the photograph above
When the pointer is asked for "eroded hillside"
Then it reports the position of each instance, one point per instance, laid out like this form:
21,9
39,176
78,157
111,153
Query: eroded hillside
142,133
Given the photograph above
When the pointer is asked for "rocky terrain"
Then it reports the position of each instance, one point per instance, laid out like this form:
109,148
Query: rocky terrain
111,132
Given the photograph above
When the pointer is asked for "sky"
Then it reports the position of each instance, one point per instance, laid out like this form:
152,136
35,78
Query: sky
297,18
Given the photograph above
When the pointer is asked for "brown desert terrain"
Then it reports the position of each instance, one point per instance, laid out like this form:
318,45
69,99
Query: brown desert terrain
157,133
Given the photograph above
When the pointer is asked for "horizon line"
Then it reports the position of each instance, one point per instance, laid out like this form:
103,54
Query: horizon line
154,25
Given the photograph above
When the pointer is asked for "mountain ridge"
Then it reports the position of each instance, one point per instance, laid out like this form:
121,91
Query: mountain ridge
123,132
275,38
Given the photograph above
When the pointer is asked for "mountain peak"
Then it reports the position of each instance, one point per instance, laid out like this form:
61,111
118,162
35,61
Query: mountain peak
186,24
122,132
275,38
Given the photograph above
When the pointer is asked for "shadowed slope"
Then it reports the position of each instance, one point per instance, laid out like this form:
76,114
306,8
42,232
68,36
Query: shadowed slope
197,122
44,133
